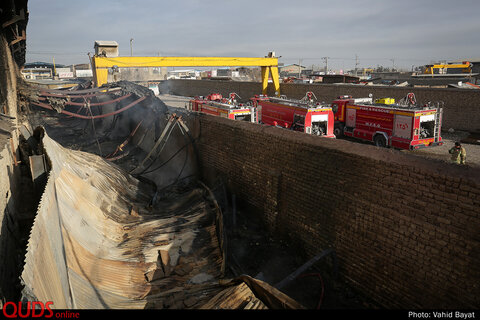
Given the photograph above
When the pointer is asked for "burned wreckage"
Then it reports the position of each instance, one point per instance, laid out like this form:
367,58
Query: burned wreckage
124,220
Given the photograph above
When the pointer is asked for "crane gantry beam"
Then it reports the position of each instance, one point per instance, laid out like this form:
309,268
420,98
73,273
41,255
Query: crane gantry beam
269,65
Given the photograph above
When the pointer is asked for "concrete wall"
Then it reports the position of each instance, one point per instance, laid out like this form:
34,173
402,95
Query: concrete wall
405,229
461,112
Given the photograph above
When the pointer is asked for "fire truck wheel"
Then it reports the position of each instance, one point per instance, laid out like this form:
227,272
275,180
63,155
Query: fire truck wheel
338,131
380,141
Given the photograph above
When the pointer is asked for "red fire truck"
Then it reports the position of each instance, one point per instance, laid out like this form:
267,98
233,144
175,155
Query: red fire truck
402,125
305,115
216,104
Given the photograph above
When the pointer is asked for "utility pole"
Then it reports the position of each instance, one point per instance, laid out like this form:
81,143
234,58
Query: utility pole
326,64
131,47
54,69
299,68
356,64
393,64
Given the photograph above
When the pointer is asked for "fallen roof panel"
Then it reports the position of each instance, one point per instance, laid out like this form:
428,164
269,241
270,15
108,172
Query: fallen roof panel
96,243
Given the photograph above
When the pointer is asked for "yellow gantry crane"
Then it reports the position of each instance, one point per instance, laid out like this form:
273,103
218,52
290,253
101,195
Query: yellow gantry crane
269,65
465,67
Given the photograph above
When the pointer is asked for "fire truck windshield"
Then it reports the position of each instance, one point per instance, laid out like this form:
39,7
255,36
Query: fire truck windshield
334,108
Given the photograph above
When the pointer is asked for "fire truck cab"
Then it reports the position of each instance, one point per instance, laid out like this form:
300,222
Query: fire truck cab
402,125
305,115
216,104
338,109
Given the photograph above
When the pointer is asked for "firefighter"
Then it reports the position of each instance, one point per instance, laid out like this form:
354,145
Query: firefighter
459,154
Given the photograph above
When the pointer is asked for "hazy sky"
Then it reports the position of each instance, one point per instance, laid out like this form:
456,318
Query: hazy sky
410,32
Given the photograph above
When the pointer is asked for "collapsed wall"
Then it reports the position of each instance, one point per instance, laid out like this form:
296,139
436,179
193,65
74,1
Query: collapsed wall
404,229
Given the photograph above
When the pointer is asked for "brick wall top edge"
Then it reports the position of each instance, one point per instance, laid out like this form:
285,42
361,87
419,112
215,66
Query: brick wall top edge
454,99
409,89
342,86
434,166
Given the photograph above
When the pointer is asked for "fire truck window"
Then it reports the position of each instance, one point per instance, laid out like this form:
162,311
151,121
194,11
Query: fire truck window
334,108
298,122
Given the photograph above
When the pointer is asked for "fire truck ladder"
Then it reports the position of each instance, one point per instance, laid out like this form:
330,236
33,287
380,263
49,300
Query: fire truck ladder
438,121
304,103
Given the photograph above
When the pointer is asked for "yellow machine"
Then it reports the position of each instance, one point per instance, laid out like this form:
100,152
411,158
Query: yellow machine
385,101
464,67
269,65
367,71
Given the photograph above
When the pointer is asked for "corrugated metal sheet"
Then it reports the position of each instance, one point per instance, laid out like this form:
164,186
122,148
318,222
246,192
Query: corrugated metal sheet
96,243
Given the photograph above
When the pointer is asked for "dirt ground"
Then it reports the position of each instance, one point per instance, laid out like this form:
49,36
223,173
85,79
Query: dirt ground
470,141
174,101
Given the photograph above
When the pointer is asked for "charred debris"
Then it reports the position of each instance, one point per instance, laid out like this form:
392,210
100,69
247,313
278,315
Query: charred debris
123,219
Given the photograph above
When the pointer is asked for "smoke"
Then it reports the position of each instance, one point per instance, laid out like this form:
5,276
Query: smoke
126,138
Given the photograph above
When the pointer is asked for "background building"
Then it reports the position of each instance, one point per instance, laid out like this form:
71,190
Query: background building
291,70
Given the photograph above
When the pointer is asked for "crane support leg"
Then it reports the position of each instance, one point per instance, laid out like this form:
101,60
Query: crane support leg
265,74
276,82
266,71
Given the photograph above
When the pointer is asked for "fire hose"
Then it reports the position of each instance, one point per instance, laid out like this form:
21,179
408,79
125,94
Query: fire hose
96,103
74,92
123,144
46,106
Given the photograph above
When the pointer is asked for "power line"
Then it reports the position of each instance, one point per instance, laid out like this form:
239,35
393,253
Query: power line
367,58
58,53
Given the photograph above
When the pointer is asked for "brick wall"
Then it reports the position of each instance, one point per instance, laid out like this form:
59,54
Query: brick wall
461,112
192,88
405,229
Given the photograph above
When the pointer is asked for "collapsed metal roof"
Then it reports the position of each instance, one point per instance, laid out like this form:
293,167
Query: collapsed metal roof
97,241
115,231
